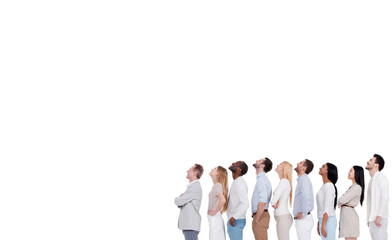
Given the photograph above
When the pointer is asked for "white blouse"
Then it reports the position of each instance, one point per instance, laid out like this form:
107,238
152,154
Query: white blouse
325,200
282,193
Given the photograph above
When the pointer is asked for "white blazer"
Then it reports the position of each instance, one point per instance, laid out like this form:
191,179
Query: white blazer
377,197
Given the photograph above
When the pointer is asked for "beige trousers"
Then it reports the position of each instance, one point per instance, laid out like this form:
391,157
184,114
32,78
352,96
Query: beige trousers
283,225
260,228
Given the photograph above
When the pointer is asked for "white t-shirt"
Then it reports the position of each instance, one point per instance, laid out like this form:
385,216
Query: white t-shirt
325,200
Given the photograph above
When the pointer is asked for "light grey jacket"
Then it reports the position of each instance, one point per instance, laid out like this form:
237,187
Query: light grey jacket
189,203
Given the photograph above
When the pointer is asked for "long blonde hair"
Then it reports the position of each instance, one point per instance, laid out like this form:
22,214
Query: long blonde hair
222,179
287,173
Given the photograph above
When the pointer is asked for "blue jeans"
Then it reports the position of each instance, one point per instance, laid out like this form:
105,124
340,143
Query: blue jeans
330,226
235,233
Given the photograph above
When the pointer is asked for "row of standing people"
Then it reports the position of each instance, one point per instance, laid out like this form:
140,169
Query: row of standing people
236,202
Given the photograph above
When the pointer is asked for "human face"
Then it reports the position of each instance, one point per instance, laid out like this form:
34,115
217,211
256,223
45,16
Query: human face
191,173
234,166
214,172
259,163
351,174
370,163
323,170
279,169
300,166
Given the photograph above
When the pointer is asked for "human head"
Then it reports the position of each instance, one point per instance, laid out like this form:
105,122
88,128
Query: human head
360,179
195,172
239,168
375,163
305,166
265,165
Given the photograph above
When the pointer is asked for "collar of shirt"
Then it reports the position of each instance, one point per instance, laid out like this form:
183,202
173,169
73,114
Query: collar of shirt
260,175
192,182
378,172
301,177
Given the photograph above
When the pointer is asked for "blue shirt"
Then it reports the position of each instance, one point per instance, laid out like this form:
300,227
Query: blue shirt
303,199
262,191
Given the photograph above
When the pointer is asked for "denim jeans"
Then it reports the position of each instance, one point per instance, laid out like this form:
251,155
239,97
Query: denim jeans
235,233
330,226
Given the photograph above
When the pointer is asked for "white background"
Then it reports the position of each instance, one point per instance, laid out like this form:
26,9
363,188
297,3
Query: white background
104,105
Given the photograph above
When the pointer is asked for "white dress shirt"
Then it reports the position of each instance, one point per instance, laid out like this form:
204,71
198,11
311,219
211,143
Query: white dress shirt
238,199
281,193
377,197
325,200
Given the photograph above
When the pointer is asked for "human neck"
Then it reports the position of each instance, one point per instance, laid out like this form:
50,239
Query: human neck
235,175
300,174
192,179
214,180
258,171
373,171
325,179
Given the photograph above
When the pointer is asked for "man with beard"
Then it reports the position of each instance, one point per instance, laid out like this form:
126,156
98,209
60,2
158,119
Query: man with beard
260,199
303,201
238,201
377,199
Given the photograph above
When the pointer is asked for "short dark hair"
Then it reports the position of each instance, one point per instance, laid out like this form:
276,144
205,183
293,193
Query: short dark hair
309,166
380,161
199,169
267,165
244,168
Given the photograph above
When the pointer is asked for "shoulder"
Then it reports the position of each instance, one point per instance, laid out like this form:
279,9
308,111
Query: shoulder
356,187
329,186
285,182
218,186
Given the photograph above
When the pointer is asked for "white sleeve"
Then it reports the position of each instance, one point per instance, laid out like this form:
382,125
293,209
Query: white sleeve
329,199
384,189
244,202
280,189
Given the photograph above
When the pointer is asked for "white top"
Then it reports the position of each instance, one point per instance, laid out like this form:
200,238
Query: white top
281,193
377,197
325,200
238,199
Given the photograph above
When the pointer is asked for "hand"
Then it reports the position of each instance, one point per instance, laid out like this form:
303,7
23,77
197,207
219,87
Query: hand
377,221
232,221
318,230
276,204
211,212
324,230
299,216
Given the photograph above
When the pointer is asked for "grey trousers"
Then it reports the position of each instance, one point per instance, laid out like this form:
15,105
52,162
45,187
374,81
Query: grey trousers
190,234
379,233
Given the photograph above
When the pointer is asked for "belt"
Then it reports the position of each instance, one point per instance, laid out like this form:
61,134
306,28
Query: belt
345,205
295,218
253,214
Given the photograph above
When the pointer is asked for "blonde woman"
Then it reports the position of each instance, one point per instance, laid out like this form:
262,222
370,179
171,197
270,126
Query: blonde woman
279,201
217,203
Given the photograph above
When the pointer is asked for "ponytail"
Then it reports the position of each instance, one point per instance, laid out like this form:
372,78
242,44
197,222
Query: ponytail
333,177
